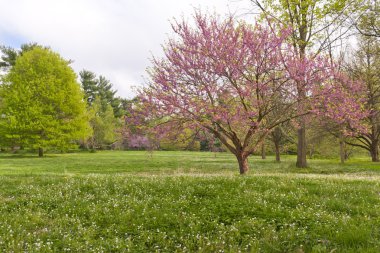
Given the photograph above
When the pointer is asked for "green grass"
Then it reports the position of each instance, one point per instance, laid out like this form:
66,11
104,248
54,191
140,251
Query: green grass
186,202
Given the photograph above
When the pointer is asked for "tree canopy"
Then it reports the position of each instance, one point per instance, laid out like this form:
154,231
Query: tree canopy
239,82
42,104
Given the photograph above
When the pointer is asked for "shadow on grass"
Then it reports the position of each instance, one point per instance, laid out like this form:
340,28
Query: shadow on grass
25,156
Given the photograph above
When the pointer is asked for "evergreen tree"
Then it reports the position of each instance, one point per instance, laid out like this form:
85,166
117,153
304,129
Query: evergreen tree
9,54
102,89
89,85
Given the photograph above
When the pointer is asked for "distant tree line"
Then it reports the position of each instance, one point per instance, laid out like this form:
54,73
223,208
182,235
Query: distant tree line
46,106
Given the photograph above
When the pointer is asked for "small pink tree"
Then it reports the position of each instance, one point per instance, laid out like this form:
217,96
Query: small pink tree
340,107
139,142
235,80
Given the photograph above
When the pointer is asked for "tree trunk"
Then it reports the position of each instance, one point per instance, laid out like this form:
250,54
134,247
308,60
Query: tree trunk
263,155
243,163
301,148
342,149
311,152
40,152
374,141
301,89
277,151
375,150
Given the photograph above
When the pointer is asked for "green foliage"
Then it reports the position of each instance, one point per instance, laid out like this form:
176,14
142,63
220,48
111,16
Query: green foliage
104,109
368,21
312,20
186,202
8,57
365,66
102,89
104,125
185,140
9,54
89,85
42,104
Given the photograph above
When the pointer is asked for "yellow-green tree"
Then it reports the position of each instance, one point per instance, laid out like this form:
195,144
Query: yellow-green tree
42,103
104,125
367,20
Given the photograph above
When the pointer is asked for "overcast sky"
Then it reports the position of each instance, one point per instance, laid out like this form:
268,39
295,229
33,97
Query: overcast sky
113,38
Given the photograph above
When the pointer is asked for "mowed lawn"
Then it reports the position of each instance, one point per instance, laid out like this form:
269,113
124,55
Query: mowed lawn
186,202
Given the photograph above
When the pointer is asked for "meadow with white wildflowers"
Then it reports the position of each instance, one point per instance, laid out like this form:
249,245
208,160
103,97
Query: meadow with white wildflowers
186,202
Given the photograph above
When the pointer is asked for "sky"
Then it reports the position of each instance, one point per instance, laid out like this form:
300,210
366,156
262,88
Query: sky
113,38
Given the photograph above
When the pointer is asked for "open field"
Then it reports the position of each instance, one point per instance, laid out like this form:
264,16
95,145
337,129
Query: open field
186,202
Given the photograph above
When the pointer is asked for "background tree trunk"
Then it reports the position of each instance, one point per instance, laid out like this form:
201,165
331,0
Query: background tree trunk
263,155
374,140
311,151
375,150
342,149
301,147
277,151
40,152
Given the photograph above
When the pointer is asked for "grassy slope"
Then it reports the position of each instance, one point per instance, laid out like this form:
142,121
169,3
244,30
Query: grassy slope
178,201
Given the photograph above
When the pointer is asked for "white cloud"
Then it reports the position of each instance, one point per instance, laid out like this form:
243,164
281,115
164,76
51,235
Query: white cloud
114,38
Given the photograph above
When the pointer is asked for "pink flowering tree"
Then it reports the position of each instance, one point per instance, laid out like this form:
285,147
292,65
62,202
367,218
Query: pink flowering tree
340,108
341,101
234,80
